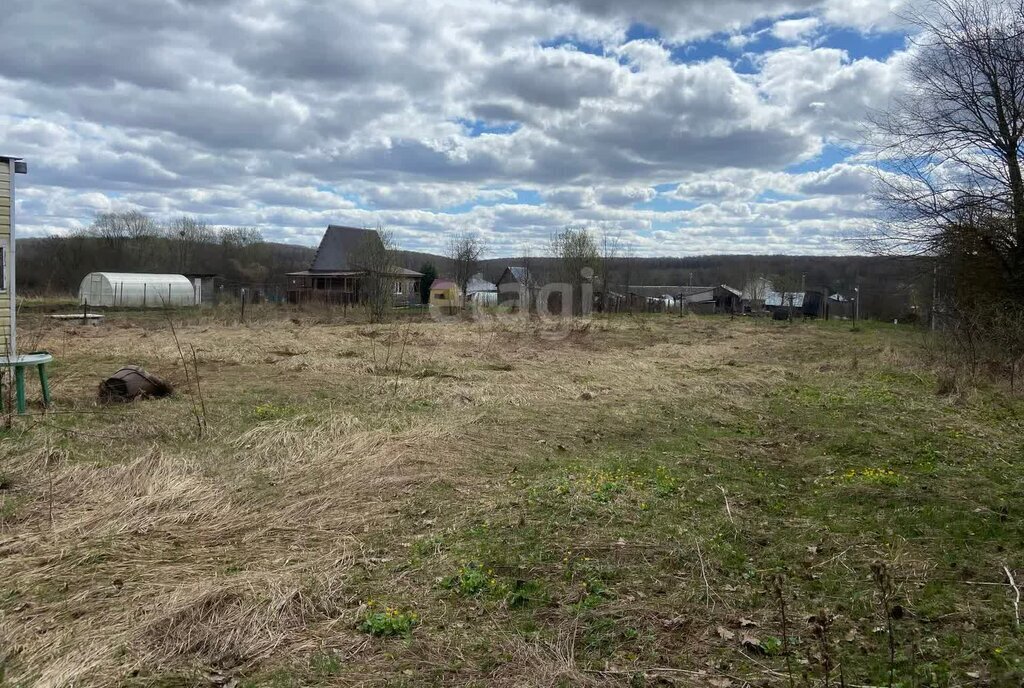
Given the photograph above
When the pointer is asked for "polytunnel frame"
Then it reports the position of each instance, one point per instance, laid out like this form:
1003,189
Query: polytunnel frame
145,290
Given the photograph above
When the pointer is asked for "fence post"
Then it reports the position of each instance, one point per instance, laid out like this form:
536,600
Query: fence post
144,290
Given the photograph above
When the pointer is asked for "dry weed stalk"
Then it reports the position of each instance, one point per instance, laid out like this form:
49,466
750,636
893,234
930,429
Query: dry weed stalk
1016,591
821,624
883,581
198,407
778,583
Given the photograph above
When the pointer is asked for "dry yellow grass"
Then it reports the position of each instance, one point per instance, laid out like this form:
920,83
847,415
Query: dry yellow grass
132,548
147,519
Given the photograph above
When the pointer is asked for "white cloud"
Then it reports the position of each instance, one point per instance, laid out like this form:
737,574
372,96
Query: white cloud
295,114
796,30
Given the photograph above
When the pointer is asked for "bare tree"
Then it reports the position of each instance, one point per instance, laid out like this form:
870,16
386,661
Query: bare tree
609,251
465,249
951,175
577,253
755,290
119,232
788,285
375,255
188,233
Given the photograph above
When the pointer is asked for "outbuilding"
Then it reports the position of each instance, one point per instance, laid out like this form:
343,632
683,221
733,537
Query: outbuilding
136,290
446,295
9,168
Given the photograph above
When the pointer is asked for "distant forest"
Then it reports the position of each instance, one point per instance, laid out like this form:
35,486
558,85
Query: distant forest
132,242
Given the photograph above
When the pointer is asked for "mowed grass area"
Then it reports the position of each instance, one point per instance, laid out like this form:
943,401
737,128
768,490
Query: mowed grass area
506,503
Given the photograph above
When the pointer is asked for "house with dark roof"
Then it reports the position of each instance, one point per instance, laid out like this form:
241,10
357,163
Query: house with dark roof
343,264
517,288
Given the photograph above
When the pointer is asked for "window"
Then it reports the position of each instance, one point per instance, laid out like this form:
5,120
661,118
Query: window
399,287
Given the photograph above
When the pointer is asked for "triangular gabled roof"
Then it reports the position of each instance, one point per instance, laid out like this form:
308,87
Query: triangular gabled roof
519,274
339,246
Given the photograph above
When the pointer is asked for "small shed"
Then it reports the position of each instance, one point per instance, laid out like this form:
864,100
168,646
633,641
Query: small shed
136,290
9,167
204,284
445,294
707,300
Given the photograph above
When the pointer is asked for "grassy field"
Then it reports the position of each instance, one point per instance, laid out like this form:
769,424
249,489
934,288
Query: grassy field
649,501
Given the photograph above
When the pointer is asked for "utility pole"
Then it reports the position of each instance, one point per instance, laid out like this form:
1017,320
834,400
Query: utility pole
935,293
856,305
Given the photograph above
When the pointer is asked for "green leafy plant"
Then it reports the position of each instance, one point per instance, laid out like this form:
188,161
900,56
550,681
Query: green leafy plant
473,579
772,645
386,621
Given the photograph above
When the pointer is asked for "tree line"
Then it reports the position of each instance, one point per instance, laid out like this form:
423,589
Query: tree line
132,241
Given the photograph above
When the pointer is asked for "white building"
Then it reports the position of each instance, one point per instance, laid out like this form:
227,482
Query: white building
136,290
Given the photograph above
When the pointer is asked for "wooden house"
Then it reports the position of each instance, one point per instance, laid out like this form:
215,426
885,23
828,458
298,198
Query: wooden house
339,271
517,288
9,169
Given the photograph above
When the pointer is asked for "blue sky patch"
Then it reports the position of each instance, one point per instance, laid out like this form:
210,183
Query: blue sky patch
479,127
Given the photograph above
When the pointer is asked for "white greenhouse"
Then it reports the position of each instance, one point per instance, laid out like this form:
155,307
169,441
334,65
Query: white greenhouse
136,290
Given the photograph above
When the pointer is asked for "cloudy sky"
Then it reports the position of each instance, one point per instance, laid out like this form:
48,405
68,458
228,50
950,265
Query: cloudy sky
690,126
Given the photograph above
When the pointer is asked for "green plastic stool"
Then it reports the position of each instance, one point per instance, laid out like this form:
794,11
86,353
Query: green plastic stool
19,363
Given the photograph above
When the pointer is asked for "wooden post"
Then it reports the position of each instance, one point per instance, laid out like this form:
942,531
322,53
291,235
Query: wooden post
935,294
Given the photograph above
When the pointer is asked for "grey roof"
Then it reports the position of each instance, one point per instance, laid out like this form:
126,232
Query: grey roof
393,271
732,290
774,298
658,290
477,283
339,246
519,274
706,296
